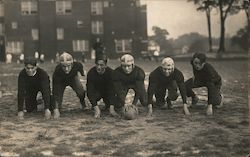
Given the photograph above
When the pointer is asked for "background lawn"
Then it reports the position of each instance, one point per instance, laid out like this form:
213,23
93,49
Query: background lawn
167,133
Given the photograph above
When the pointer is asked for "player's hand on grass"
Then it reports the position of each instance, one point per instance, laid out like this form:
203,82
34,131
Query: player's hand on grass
185,109
47,114
20,115
209,110
150,110
112,111
97,112
56,113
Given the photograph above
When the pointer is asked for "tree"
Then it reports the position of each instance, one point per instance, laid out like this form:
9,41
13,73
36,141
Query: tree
244,5
206,5
225,7
194,41
241,38
160,38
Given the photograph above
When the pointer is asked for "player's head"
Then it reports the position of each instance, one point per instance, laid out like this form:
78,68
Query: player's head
127,63
198,60
30,64
167,66
66,61
101,63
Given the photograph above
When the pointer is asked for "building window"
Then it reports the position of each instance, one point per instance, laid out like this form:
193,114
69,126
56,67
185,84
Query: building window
63,7
35,34
1,9
79,24
1,29
14,25
124,45
80,45
97,27
29,7
96,8
60,33
15,47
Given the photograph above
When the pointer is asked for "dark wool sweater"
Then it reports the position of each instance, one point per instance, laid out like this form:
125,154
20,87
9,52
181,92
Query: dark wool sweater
158,79
122,79
31,84
206,75
101,83
59,76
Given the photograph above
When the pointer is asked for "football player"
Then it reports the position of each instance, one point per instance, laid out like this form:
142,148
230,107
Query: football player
100,86
205,76
31,80
129,76
67,74
166,78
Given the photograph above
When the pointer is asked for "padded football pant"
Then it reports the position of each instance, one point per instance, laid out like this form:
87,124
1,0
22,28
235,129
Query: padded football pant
214,96
59,87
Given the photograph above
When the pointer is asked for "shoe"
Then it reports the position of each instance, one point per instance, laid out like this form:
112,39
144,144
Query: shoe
97,112
221,102
210,110
195,100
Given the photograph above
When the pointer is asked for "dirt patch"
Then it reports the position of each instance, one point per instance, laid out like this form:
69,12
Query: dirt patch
167,133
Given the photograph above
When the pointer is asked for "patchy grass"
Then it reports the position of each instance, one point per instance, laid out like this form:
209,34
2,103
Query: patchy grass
167,133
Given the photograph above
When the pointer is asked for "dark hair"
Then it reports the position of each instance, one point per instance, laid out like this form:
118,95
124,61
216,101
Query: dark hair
102,57
30,60
201,56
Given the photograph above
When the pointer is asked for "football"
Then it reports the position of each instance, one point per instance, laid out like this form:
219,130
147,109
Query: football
130,112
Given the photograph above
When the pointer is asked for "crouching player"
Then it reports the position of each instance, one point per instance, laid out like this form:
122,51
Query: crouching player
129,76
205,76
66,74
31,80
100,86
163,78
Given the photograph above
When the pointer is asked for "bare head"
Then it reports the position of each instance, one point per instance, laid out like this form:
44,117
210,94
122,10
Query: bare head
30,66
101,64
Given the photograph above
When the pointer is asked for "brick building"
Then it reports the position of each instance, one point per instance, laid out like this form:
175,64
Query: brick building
51,26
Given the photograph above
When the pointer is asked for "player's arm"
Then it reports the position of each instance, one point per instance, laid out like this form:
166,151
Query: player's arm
182,89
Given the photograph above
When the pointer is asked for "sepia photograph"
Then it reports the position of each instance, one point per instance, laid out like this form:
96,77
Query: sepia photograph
124,78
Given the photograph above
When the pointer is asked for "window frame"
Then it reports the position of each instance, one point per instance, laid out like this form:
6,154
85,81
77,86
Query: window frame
29,7
80,45
35,34
15,47
14,25
60,33
123,45
66,7
97,27
96,8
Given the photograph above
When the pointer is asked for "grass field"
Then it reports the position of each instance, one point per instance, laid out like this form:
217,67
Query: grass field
167,133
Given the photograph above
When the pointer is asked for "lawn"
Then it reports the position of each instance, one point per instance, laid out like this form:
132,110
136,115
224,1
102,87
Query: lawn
167,133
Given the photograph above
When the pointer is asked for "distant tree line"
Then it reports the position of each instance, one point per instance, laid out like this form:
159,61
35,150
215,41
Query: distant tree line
197,42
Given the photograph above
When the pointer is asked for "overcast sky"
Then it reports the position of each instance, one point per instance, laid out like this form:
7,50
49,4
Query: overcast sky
180,17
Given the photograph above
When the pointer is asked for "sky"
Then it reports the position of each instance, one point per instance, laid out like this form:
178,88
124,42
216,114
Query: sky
179,17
